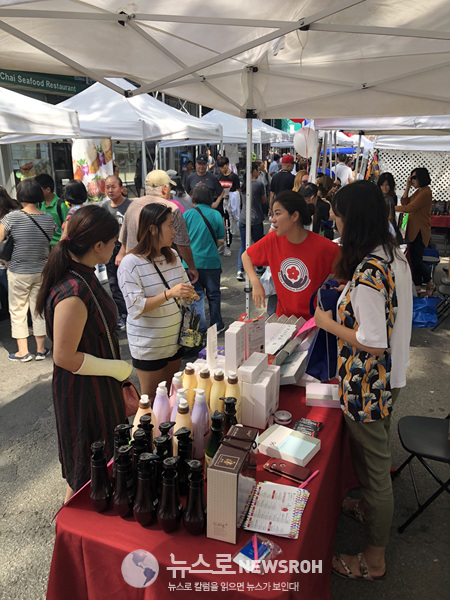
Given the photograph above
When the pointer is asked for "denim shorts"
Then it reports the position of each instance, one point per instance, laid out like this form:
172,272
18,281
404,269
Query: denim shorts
156,365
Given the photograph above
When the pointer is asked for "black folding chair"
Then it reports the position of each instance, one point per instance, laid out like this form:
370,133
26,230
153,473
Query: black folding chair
425,437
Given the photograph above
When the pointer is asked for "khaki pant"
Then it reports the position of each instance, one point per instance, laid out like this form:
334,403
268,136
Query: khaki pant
369,443
22,294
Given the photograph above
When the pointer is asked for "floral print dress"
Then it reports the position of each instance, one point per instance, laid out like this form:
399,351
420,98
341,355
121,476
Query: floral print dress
364,379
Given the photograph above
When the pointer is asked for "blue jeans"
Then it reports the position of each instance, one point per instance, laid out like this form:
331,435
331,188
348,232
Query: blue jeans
209,283
257,232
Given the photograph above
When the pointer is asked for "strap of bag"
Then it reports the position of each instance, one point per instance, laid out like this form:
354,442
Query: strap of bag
37,225
207,223
99,310
164,281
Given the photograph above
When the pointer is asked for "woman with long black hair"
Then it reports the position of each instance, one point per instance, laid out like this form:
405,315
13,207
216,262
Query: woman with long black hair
81,321
373,332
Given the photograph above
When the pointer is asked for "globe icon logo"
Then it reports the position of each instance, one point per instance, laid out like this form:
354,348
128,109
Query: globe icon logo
140,568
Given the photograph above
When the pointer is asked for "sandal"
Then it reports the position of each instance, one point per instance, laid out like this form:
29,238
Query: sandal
350,507
431,288
363,570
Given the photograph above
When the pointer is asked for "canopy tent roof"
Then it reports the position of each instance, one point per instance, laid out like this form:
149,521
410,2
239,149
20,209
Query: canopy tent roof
425,125
104,113
328,58
425,143
235,131
20,114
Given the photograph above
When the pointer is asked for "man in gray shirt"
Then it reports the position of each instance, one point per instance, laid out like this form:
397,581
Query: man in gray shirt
117,204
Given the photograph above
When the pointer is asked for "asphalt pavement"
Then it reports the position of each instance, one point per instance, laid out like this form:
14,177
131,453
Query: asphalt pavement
33,489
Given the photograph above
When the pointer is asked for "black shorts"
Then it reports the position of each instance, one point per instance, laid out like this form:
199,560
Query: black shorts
156,365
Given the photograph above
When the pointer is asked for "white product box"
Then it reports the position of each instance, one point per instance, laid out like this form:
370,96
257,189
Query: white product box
322,394
293,367
282,442
275,387
277,335
249,371
254,335
234,346
256,400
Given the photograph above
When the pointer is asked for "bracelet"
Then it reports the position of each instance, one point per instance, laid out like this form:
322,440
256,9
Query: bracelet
165,295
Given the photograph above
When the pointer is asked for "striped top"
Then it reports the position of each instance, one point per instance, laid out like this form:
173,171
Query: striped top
31,247
152,335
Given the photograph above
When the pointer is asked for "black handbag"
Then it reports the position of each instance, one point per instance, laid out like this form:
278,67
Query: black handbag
6,248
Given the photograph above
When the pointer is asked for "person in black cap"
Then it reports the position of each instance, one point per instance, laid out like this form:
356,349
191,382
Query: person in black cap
202,175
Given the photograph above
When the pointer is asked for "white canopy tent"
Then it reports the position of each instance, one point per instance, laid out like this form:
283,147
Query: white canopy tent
235,131
426,125
20,114
330,58
424,143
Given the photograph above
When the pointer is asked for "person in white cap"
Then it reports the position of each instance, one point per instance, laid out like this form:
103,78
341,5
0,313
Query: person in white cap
157,189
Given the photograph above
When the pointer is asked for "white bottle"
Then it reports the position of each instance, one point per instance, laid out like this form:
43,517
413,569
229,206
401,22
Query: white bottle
177,383
144,408
161,407
181,395
200,424
183,420
233,391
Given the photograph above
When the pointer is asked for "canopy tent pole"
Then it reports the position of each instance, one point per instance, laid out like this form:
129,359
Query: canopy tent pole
156,162
316,154
143,163
335,153
248,182
357,156
324,152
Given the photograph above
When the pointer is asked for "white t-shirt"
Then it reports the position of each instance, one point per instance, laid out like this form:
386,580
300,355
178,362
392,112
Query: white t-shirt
343,173
369,308
151,335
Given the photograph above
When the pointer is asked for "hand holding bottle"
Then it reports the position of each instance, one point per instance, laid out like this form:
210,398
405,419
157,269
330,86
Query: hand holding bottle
182,290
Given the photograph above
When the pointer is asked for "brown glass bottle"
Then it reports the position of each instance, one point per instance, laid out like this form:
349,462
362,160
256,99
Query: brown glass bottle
194,517
101,489
123,491
170,509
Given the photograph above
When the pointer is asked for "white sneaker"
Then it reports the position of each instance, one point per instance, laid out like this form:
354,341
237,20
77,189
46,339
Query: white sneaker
227,251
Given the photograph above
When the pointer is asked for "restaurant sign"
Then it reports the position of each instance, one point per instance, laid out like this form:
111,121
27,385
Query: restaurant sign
54,84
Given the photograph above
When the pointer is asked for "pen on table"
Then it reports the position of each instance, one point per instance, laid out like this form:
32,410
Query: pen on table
303,485
255,550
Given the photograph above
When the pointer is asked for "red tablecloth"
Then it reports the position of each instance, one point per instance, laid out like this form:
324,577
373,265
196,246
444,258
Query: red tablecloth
90,547
440,221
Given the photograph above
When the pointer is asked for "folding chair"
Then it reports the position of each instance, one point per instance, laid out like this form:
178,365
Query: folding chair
443,308
425,437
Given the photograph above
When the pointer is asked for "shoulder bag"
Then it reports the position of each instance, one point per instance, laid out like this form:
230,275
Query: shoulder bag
6,248
130,394
207,223
189,336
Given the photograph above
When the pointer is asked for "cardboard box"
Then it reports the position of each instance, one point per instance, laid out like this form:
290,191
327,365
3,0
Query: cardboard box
325,395
230,481
283,442
254,336
260,399
274,393
293,367
250,370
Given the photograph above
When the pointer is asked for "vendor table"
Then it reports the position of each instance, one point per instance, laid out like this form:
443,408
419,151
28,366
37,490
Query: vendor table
90,547
440,221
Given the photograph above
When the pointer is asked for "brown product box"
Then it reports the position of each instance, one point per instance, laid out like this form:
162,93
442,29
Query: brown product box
230,481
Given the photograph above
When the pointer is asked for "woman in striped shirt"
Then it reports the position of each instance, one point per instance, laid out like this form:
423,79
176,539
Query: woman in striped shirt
32,231
154,319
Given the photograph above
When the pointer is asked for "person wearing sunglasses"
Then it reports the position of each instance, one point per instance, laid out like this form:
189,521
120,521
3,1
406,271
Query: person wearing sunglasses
418,229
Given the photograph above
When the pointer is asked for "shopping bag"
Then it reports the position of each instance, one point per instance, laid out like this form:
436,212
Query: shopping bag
425,311
267,282
321,361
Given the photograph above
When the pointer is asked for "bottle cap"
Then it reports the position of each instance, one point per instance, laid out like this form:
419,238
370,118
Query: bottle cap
181,394
200,396
146,422
218,375
183,434
140,435
98,450
217,421
178,378
189,369
230,405
162,388
204,373
166,427
144,402
282,417
183,406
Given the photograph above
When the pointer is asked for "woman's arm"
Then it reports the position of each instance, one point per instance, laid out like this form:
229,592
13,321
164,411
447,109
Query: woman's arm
421,199
325,321
181,290
68,325
2,232
258,293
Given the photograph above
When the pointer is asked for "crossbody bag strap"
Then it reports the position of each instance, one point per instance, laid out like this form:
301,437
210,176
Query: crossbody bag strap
164,281
37,225
99,310
207,223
